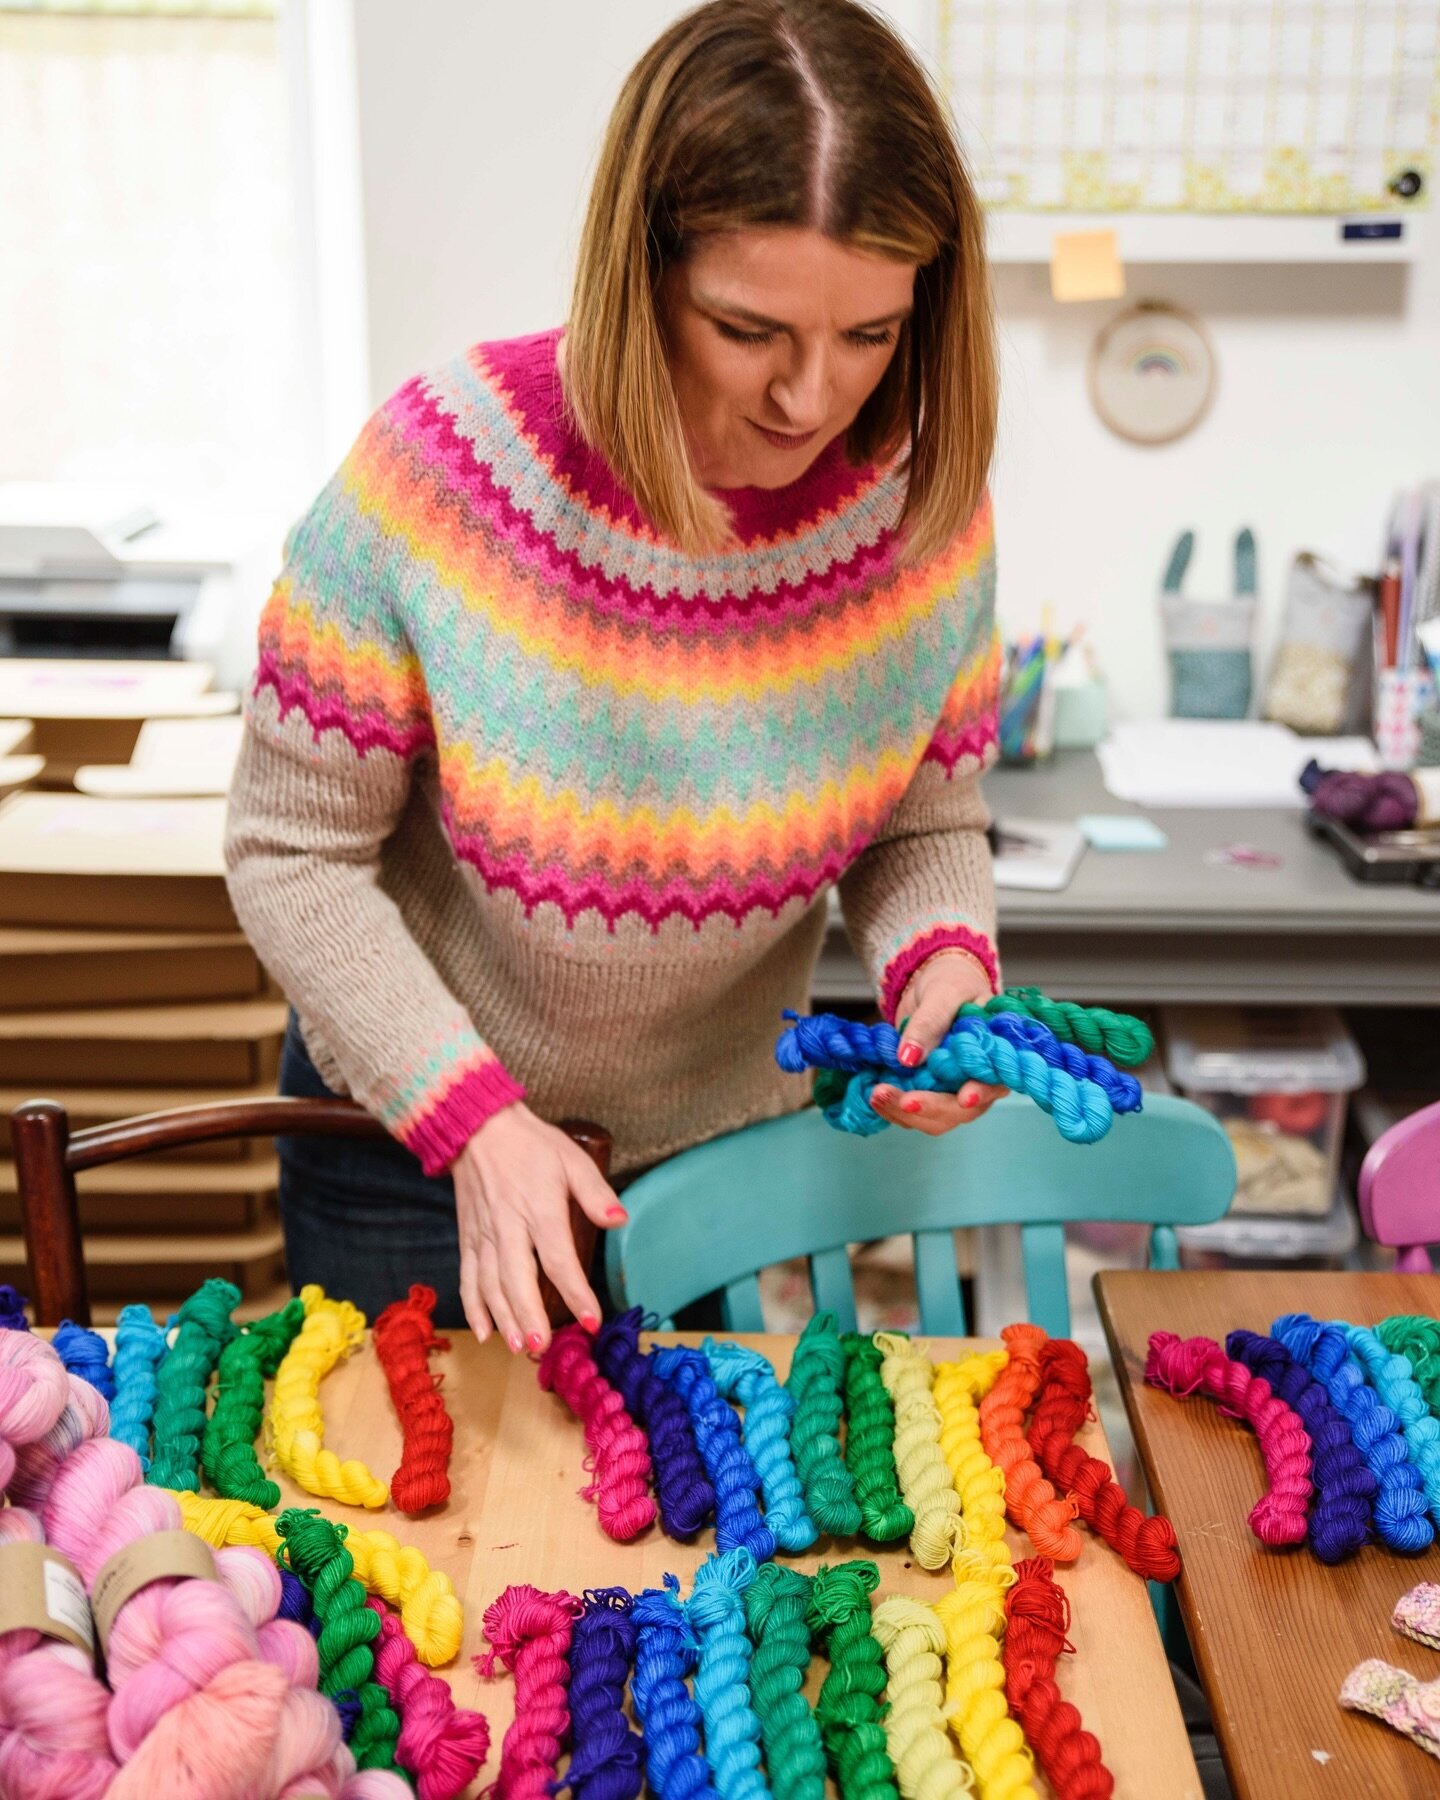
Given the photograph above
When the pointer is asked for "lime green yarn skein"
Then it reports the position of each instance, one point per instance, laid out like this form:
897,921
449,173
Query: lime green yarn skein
870,1442
1418,1340
851,1703
777,1607
203,1329
313,1549
228,1452
817,1375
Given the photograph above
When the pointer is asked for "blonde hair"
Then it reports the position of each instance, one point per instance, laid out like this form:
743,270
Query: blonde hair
800,113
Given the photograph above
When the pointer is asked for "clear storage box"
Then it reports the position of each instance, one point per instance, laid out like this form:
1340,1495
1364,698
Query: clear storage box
1277,1079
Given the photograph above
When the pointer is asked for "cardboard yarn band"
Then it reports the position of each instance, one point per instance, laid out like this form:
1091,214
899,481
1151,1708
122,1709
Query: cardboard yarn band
41,1590
161,1556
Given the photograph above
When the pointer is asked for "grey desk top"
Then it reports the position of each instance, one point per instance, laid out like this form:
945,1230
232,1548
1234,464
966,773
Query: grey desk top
1175,888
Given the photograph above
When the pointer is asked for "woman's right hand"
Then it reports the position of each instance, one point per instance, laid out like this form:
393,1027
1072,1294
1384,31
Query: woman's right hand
513,1184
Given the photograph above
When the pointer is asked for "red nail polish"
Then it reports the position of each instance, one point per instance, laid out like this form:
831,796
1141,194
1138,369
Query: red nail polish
968,1097
910,1054
591,1323
912,1105
535,1341
618,1214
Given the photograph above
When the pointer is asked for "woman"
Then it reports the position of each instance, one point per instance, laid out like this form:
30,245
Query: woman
606,654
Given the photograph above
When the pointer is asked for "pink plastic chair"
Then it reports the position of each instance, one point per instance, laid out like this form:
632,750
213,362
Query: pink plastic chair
1400,1190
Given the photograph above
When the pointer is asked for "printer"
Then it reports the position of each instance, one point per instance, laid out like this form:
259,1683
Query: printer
94,573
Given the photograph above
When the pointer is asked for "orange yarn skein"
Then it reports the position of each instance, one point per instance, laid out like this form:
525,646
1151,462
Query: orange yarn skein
404,1335
1030,1500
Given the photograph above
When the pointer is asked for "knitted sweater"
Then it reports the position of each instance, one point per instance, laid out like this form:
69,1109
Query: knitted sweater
531,803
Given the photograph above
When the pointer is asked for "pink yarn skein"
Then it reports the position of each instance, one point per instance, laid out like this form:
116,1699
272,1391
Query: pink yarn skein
619,1449
1198,1363
442,1745
33,1390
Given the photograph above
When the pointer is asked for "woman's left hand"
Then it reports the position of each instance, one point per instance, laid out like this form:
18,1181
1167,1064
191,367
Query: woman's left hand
933,996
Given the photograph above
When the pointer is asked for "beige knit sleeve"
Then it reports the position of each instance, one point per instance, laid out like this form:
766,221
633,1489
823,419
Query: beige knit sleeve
335,727
925,882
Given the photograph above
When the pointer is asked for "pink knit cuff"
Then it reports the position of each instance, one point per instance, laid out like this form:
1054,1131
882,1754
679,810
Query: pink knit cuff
901,967
442,1130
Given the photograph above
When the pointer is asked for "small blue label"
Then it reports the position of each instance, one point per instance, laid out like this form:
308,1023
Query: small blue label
1361,229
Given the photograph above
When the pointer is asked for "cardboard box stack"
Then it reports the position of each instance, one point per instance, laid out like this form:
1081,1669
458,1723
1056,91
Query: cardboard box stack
127,987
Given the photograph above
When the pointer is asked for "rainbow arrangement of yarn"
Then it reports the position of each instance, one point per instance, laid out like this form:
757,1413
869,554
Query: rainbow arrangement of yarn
247,1654
1063,1056
1348,1423
864,1437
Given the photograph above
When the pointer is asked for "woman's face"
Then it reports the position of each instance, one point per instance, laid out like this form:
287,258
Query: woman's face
776,337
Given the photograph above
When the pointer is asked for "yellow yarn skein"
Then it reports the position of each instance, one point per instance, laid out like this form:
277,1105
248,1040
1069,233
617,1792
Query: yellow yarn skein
920,1464
974,1615
332,1329
429,1607
927,1766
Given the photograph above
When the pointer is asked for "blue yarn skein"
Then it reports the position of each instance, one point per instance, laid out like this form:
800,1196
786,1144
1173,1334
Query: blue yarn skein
665,1653
1124,1090
1344,1486
86,1354
728,1463
139,1350
745,1375
682,1488
716,1611
1401,1520
12,1309
605,1754
1394,1380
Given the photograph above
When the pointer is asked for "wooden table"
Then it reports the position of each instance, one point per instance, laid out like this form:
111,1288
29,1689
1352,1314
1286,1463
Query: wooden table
514,1515
1274,1632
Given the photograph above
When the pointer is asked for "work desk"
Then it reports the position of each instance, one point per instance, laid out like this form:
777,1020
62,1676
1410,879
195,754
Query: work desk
1168,926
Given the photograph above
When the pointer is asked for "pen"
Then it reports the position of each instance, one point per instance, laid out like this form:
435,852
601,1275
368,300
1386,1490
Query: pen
1388,600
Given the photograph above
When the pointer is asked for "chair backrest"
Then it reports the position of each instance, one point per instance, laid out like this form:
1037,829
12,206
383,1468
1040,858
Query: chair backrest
714,1216
48,1155
1399,1189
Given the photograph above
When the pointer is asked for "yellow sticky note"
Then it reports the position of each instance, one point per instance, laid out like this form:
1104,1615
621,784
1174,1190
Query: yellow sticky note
1085,265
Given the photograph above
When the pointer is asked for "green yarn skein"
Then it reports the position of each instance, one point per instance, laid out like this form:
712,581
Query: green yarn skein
314,1550
851,1703
204,1329
1418,1339
1125,1040
228,1452
817,1372
870,1442
777,1611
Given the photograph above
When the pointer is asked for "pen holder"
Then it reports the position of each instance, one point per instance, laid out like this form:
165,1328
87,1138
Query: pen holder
1401,695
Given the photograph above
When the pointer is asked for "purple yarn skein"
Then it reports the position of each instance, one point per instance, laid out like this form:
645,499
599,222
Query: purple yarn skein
683,1490
607,1757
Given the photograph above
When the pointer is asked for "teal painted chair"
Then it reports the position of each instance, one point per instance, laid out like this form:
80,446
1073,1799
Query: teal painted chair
713,1217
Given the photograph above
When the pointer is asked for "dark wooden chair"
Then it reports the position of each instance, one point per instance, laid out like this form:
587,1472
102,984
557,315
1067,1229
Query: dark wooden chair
48,1157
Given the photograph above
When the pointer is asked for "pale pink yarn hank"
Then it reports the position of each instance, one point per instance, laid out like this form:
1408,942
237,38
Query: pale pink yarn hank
1199,1364
33,1390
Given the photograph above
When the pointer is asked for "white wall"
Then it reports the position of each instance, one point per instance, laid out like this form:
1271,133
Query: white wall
479,123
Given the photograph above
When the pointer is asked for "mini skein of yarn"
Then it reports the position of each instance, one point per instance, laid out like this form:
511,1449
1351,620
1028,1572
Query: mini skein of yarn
728,1463
1418,1340
139,1351
403,1336
530,1633
1344,1487
1199,1364
1401,1518
1393,1379
849,1709
441,1744
12,1309
665,1654
1385,801
927,1763
621,1488
682,1488
744,1375
1030,1499
920,1464
817,1375
777,1608
227,1450
870,1443
1125,1040
203,1327
606,1757
332,1330
716,1612
1037,1622
86,1354
1123,1091
1061,1408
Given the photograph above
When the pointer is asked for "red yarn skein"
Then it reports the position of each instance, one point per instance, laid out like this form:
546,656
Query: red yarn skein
1029,1498
1037,1617
1063,1404
619,1448
404,1336
530,1632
